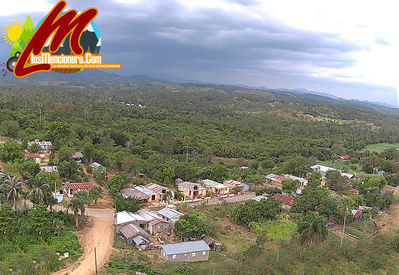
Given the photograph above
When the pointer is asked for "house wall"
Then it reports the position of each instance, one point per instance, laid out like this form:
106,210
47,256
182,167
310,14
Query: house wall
159,229
187,257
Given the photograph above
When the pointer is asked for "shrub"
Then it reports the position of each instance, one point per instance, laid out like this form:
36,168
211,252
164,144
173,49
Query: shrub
68,242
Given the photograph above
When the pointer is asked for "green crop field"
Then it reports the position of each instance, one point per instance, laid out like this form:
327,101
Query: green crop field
380,147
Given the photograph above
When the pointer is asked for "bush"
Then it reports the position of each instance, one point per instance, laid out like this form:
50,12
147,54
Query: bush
68,242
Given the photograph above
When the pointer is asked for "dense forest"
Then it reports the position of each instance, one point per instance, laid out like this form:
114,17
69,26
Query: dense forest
191,131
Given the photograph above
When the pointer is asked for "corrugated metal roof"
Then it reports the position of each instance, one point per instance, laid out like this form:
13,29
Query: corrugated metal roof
210,183
169,213
185,247
140,240
156,188
125,217
147,215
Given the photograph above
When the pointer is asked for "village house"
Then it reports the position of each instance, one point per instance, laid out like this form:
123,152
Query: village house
186,251
216,188
260,197
302,182
150,222
133,234
344,157
72,188
159,227
233,183
43,145
149,193
159,193
287,200
170,214
135,193
95,165
42,159
125,217
213,245
78,157
191,189
49,169
276,180
323,170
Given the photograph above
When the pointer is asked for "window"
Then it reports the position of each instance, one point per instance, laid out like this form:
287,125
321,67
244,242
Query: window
193,254
203,253
173,256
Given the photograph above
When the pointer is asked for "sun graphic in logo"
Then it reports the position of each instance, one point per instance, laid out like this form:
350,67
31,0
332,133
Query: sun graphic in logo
12,31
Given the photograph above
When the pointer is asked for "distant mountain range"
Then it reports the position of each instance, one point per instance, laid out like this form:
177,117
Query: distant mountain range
99,77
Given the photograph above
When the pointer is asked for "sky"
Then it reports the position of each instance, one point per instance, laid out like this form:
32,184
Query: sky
345,48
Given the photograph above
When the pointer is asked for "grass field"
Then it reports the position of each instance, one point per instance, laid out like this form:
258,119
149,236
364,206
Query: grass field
380,147
342,165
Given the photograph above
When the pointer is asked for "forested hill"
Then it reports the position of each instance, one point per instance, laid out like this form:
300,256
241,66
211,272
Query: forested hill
152,126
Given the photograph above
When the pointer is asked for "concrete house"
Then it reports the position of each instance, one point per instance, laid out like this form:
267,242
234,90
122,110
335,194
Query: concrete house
149,193
217,188
170,214
159,227
191,189
186,251
133,234
276,180
125,218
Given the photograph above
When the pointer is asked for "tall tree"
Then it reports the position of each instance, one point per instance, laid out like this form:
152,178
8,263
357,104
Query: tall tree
345,207
37,192
313,229
76,204
12,185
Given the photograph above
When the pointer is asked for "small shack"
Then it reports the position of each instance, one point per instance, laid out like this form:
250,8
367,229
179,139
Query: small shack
213,245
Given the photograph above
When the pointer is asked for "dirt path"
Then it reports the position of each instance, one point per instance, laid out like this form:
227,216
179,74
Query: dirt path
389,221
98,233
338,231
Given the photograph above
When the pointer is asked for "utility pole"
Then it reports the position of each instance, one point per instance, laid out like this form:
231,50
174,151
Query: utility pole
40,110
95,258
186,153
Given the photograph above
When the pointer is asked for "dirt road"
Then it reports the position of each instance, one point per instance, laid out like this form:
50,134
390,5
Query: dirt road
98,233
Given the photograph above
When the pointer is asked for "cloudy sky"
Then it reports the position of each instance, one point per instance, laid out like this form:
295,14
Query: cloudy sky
346,48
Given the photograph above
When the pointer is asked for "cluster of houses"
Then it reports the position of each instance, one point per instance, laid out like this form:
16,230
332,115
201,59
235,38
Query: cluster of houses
140,228
136,228
42,157
207,187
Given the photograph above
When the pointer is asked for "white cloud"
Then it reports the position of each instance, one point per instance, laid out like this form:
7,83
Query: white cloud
14,7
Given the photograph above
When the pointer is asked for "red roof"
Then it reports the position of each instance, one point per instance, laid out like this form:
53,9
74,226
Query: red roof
80,186
344,157
286,199
358,214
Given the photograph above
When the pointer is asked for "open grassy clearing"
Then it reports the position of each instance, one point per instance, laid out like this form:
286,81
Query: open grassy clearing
380,147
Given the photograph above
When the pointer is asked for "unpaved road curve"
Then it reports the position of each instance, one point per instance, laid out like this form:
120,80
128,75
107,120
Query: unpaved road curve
98,233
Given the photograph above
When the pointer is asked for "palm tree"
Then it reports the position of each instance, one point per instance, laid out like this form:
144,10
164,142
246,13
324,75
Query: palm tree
345,207
12,184
76,204
313,229
38,192
50,200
